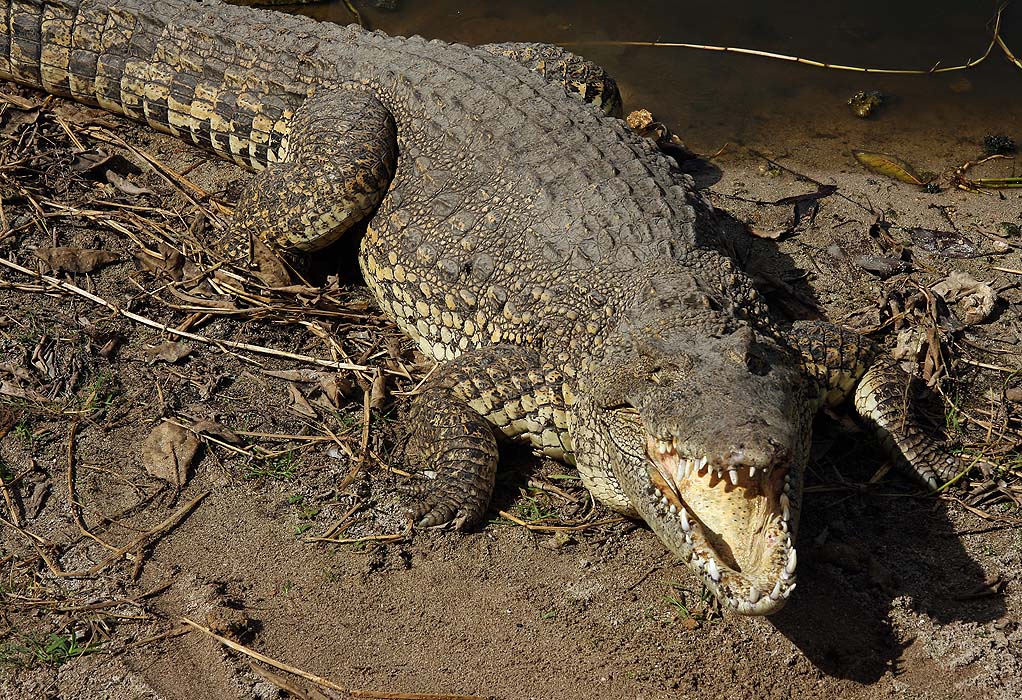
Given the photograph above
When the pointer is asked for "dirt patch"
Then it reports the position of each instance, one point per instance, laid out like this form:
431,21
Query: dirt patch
286,532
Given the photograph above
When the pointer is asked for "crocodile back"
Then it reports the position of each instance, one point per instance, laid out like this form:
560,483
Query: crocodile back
516,214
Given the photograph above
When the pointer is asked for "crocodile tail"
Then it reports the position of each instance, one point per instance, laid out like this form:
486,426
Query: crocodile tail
198,71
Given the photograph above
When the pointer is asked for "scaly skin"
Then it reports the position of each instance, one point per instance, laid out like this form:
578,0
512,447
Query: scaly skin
552,260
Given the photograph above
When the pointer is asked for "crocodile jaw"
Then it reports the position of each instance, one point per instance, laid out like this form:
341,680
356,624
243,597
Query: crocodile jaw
733,523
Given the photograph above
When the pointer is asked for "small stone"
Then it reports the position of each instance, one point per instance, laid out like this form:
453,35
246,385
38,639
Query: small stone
865,102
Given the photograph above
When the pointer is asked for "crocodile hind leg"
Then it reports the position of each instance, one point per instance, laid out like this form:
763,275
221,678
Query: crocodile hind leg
336,162
845,364
452,424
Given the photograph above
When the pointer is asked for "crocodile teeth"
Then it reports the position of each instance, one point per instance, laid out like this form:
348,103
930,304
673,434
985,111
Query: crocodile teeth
733,475
752,472
776,593
754,594
684,468
712,570
789,590
789,568
785,507
685,524
673,509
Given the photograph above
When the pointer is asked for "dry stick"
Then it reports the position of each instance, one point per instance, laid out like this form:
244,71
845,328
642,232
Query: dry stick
986,516
319,680
38,544
342,522
67,130
101,605
995,40
177,632
10,502
146,538
76,507
1005,49
291,688
984,365
178,180
248,347
130,600
558,528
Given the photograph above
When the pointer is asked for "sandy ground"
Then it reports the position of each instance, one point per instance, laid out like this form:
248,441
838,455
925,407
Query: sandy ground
900,594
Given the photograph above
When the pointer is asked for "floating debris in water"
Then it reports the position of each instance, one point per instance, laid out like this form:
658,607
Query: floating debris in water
864,102
642,122
998,145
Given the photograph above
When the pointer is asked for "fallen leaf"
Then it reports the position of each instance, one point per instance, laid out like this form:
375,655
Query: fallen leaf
910,344
18,102
93,162
972,301
168,453
880,266
167,259
806,208
336,388
8,389
379,391
689,623
891,166
299,404
17,371
35,502
110,347
125,185
75,260
169,351
950,244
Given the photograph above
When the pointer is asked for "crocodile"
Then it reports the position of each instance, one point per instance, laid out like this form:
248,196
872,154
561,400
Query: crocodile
566,277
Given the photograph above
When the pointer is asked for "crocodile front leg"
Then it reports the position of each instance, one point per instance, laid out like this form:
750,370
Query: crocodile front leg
503,388
845,364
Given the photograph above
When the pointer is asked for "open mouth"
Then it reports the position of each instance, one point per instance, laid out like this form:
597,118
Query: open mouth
736,517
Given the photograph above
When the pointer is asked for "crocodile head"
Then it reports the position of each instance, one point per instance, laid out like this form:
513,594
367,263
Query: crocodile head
704,425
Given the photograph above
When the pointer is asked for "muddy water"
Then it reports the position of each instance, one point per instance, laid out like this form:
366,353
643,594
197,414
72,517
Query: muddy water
714,98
